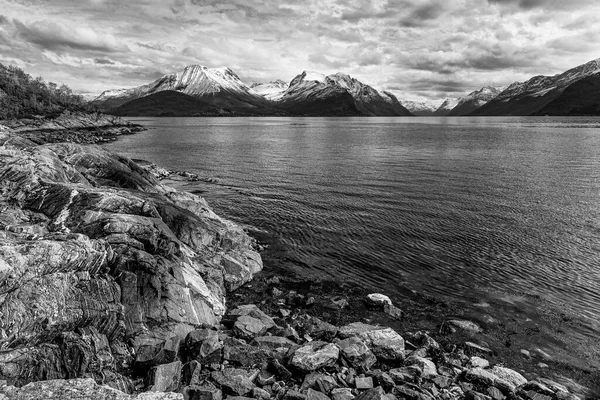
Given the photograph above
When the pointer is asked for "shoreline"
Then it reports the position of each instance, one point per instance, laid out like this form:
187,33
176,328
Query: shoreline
266,282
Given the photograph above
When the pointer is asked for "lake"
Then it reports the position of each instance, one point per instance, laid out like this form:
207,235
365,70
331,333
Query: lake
499,210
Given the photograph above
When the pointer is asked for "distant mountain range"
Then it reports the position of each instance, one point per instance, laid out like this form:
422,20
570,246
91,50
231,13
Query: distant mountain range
199,91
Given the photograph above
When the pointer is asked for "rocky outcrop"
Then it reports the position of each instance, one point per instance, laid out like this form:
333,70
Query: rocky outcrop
104,270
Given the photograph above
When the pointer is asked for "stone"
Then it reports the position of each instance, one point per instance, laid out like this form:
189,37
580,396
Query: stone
312,394
411,392
316,328
442,382
195,392
473,395
507,374
241,354
495,393
247,327
319,381
273,342
468,326
280,370
294,395
166,377
265,378
385,343
363,383
315,355
190,373
405,374
357,353
371,394
342,394
474,348
478,362
525,353
423,340
377,300
259,393
253,311
531,395
233,381
204,346
393,311
428,368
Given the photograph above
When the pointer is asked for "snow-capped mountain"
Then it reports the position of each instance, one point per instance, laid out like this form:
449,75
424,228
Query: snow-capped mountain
337,94
474,100
530,97
446,106
272,90
420,108
219,86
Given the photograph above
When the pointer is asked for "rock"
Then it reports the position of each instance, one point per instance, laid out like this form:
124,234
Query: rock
356,329
247,327
152,351
314,395
371,394
190,373
539,387
266,378
363,383
405,374
357,353
253,311
554,386
385,343
468,326
496,394
441,382
531,395
474,348
316,328
239,353
259,393
393,311
472,395
377,300
294,395
410,392
280,370
273,342
342,394
507,374
315,355
204,346
233,381
166,377
428,368
478,362
525,353
202,393
423,340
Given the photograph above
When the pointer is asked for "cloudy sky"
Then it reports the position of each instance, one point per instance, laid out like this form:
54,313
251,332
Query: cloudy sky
418,49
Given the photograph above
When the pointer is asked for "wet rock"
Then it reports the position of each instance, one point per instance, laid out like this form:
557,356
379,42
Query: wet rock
410,392
357,353
166,377
507,374
474,349
235,382
478,362
316,328
202,393
496,394
473,395
386,343
377,300
363,383
505,381
247,327
315,355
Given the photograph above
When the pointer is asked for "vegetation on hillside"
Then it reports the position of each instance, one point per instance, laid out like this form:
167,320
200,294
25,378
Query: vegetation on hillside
23,96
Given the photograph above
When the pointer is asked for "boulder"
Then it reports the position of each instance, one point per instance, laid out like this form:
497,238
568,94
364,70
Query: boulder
377,301
478,362
315,395
342,394
363,383
468,326
241,354
357,353
166,377
315,355
393,311
273,342
507,374
234,382
385,343
247,327
204,346
427,367
250,310
190,373
195,392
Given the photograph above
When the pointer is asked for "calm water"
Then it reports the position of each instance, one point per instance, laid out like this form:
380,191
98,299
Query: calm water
466,208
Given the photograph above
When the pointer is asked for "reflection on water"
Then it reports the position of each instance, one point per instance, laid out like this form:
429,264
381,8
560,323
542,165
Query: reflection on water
473,209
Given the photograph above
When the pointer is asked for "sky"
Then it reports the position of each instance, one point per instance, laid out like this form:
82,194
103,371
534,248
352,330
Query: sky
418,49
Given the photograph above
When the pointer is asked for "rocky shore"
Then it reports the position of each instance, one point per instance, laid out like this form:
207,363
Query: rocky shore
114,285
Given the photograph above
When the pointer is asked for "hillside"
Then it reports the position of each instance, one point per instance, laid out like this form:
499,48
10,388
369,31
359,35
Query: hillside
167,104
580,98
23,96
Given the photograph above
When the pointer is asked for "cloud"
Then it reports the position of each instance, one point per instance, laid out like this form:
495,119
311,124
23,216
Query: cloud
53,36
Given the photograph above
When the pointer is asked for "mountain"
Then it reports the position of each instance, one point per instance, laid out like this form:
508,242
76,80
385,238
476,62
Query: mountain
272,90
580,98
532,96
312,93
445,108
220,87
474,100
422,109
167,103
